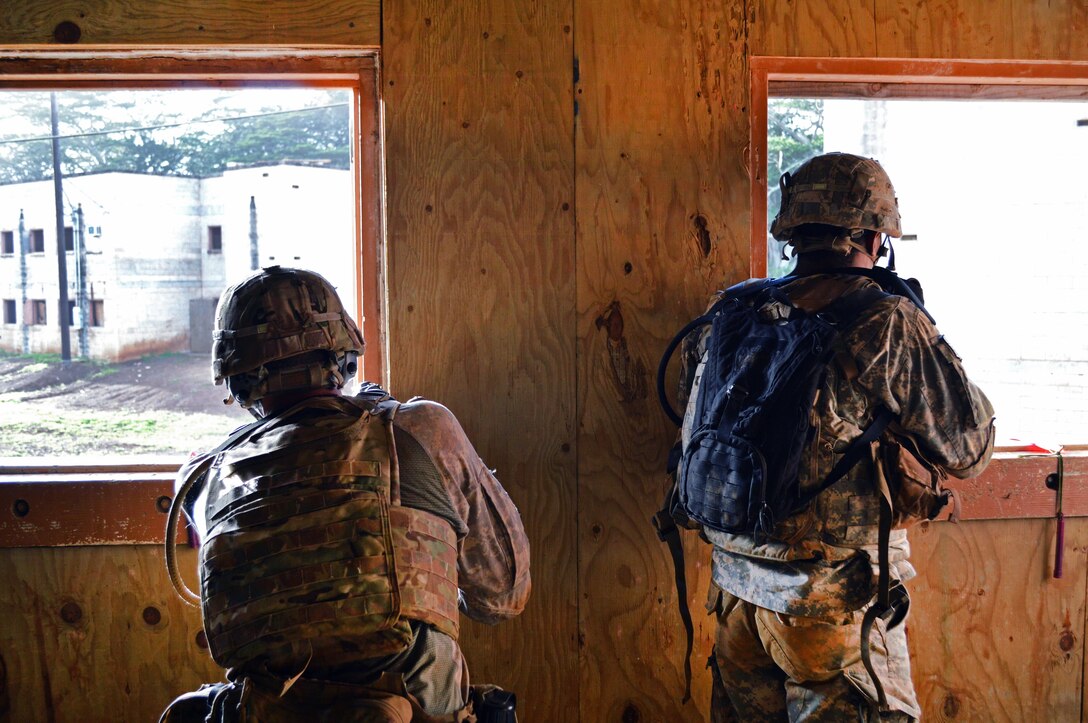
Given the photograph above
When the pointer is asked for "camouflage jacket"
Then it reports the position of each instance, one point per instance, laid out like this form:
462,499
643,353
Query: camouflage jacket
441,473
822,560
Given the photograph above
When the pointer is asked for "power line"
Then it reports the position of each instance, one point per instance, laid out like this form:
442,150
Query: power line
174,125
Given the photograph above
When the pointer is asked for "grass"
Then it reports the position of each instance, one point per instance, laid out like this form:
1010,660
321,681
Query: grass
27,431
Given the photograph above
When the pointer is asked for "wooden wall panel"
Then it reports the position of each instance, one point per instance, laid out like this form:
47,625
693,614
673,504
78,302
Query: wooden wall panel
824,29
993,635
953,29
661,188
1029,30
550,224
479,130
209,22
77,617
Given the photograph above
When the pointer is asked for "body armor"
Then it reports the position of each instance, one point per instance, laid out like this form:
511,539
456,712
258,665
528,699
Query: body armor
310,560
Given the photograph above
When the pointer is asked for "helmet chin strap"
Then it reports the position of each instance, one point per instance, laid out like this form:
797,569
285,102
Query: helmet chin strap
886,249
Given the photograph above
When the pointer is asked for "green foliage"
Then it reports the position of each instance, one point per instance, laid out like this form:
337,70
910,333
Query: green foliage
795,133
164,132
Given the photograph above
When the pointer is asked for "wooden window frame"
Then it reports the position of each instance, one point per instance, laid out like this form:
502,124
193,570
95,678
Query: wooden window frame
774,76
52,502
176,67
1014,486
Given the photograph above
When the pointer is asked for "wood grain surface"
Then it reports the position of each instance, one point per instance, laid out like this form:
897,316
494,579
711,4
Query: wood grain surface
481,286
209,22
661,222
97,633
566,184
993,635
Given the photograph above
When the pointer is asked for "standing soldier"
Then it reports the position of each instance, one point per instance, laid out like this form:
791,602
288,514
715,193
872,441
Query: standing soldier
793,637
339,535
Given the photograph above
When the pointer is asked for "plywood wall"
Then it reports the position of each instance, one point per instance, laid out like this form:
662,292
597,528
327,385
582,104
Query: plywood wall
481,248
566,184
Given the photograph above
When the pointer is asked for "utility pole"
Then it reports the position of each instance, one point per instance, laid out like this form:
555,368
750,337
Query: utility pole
79,242
254,257
24,280
62,259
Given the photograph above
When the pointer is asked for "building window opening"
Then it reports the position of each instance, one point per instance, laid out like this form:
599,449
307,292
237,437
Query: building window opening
274,165
984,186
7,243
215,239
36,312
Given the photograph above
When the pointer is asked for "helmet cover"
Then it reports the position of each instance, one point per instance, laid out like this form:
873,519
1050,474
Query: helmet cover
275,314
840,190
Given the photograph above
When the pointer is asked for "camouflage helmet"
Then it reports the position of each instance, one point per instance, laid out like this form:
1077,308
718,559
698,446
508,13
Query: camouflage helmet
276,314
840,190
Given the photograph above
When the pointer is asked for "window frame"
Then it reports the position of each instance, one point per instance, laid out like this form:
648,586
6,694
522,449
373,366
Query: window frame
181,67
1014,485
778,76
32,236
38,312
45,498
97,311
215,239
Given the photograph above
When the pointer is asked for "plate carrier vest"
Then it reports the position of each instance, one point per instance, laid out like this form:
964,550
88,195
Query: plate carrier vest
309,554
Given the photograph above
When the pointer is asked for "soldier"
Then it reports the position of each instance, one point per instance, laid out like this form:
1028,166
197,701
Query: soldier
790,606
339,535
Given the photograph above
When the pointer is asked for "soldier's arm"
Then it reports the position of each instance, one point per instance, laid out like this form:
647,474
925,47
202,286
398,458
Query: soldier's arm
910,368
493,561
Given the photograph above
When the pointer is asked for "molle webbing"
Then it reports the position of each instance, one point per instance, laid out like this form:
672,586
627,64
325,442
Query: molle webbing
279,583
425,549
310,560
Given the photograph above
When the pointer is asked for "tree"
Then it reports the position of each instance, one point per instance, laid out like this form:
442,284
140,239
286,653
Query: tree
165,132
795,132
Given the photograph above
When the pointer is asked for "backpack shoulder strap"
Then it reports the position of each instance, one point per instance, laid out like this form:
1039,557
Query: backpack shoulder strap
669,533
737,291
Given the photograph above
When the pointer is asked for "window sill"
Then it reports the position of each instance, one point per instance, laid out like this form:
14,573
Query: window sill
54,503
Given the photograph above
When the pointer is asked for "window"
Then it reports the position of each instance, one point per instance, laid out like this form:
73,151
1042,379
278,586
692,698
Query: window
36,312
37,241
984,185
7,243
69,239
163,289
215,239
9,311
95,312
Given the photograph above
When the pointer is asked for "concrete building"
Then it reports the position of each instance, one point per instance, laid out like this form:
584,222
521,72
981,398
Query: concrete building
158,251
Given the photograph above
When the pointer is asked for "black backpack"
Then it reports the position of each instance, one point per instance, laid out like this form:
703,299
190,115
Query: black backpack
751,417
751,421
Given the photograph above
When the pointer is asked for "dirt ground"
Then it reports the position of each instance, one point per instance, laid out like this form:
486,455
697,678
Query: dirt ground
170,382
161,405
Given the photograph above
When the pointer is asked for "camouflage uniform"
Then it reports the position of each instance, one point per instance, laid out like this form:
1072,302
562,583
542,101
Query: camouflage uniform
790,607
442,475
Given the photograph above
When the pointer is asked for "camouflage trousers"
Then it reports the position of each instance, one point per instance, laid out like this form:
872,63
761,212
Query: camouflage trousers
773,667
